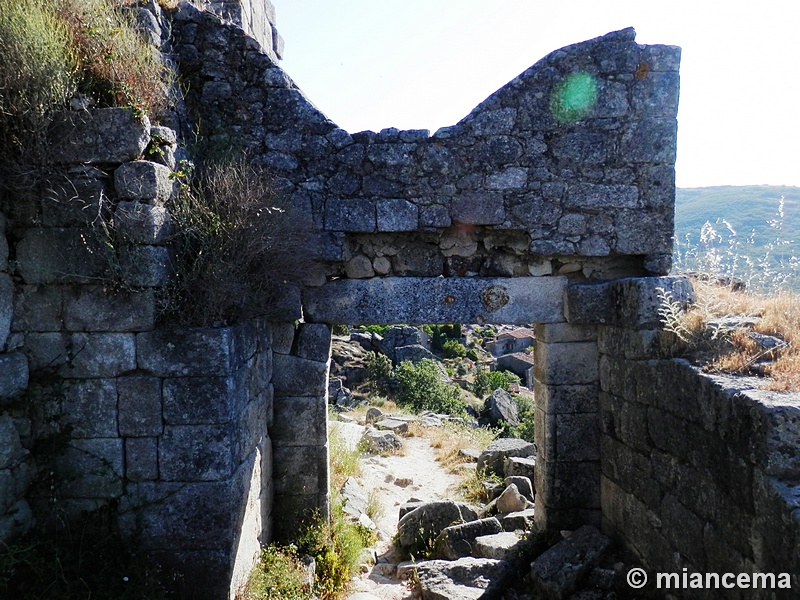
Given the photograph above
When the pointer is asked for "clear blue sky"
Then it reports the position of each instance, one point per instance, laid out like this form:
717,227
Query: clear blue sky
424,64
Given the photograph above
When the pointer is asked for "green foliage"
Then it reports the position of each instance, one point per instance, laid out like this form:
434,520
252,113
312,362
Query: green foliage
38,70
454,349
472,354
239,247
338,329
278,574
441,333
379,329
52,49
421,388
75,561
379,369
336,546
118,67
525,412
485,332
488,381
343,461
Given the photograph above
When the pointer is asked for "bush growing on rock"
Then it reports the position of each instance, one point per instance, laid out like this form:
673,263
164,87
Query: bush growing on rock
488,381
454,349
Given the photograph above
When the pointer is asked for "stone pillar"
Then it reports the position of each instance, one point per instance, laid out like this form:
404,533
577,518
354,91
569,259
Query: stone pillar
300,428
197,459
567,426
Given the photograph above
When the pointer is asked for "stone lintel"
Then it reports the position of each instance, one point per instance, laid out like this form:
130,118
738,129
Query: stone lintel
415,300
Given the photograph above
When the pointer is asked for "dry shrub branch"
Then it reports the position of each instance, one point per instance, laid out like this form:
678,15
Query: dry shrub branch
240,247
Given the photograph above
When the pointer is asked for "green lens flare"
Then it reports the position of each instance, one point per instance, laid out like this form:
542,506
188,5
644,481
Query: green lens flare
574,98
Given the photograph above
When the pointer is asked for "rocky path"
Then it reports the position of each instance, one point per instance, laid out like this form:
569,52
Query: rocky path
394,479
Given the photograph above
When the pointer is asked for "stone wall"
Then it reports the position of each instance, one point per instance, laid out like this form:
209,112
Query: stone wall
170,425
551,203
532,182
300,429
255,17
16,465
696,471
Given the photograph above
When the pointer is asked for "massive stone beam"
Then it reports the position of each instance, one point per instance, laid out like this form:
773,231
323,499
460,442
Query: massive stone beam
518,300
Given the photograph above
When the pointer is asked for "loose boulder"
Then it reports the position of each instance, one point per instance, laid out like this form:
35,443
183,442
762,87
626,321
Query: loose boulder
395,425
417,530
500,407
373,415
415,353
458,541
381,442
491,460
523,485
463,579
511,501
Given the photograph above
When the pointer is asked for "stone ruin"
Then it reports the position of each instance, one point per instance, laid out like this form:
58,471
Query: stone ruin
550,204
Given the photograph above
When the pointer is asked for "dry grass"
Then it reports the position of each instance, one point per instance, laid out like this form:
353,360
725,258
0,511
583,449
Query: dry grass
119,67
449,439
702,334
344,462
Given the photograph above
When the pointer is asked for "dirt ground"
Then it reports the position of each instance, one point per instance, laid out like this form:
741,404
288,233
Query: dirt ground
412,474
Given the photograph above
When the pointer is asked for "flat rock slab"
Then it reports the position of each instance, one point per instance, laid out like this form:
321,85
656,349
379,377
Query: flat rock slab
465,578
557,572
417,300
525,467
500,546
395,425
523,520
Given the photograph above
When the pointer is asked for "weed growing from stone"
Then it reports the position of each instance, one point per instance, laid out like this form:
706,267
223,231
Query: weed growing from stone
55,51
335,544
343,461
240,248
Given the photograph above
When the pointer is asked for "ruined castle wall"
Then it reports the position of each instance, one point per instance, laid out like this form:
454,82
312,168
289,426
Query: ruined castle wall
697,471
169,424
568,169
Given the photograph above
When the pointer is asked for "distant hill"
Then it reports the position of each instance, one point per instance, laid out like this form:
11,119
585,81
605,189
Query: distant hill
748,237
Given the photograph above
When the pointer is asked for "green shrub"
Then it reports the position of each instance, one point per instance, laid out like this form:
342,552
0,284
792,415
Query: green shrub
336,547
378,370
278,574
379,329
421,388
525,412
488,381
118,67
454,349
39,66
441,333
